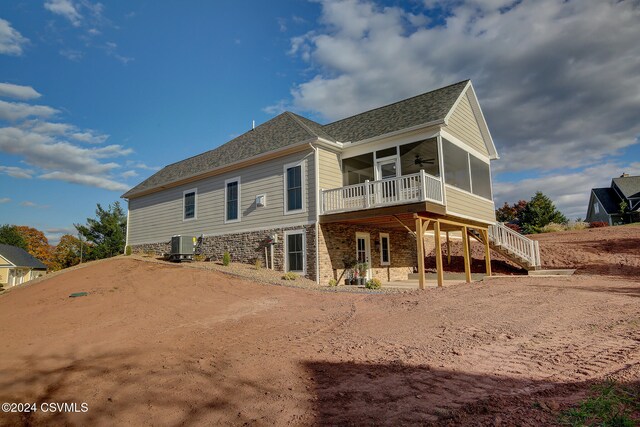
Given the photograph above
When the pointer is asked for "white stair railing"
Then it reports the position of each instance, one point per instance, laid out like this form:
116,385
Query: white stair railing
522,246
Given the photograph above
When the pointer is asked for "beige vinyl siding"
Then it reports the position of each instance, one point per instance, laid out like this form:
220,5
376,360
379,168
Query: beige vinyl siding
468,205
158,216
464,126
330,172
4,275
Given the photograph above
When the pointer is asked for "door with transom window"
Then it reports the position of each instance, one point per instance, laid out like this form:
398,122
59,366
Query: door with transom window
386,170
363,251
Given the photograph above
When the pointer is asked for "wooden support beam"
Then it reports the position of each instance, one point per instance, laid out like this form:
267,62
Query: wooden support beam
448,250
487,252
439,266
420,250
467,255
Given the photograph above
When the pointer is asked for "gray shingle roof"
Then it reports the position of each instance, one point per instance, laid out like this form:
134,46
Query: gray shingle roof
628,185
609,199
281,131
421,109
289,128
20,258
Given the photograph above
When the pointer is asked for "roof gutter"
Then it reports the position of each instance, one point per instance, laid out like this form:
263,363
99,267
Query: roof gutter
263,157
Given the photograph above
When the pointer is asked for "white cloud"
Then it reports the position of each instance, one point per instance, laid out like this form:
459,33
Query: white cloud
72,54
83,179
11,41
64,129
10,90
141,165
569,191
13,111
111,49
17,172
558,80
66,9
129,174
4,200
29,204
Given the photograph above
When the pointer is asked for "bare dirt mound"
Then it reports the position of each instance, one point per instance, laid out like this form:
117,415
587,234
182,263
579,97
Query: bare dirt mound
164,344
607,251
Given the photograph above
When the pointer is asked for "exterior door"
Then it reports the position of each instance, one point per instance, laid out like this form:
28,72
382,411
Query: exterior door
386,169
363,251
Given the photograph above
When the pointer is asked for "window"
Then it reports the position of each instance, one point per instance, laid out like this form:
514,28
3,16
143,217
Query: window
421,155
596,208
189,204
294,184
294,249
232,200
385,255
456,166
358,169
480,177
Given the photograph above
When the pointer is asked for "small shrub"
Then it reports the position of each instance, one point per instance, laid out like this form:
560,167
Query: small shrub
258,264
598,224
198,258
374,283
577,225
333,282
289,275
226,258
552,227
127,250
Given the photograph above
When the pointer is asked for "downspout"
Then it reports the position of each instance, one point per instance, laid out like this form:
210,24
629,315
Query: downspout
316,158
126,239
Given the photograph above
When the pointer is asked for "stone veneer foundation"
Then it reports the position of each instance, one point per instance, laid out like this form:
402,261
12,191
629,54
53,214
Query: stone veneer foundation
246,247
338,240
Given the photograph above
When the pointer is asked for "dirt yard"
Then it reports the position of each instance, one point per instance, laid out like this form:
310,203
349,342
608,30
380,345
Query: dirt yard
163,344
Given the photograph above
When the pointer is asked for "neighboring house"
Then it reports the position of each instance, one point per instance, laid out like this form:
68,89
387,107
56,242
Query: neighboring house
361,187
17,266
604,203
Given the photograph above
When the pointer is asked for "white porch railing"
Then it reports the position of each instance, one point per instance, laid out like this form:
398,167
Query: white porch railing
418,187
516,243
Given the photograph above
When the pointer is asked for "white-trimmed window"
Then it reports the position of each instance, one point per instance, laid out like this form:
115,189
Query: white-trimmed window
232,200
189,204
596,208
294,250
294,183
385,249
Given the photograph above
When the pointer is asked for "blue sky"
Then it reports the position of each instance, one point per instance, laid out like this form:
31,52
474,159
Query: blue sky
95,96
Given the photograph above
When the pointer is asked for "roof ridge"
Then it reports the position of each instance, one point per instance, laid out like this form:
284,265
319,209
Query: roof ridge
301,123
397,102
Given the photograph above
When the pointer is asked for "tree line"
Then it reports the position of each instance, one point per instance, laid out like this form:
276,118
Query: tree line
101,237
532,216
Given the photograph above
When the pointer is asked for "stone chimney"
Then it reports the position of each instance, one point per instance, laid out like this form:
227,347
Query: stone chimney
624,175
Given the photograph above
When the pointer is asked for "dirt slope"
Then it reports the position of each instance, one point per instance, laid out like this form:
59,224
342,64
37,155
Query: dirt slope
161,344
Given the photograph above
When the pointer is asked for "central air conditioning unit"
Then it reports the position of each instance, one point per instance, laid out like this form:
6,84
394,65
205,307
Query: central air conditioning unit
182,248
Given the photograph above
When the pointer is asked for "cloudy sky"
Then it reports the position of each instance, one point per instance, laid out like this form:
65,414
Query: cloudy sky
94,97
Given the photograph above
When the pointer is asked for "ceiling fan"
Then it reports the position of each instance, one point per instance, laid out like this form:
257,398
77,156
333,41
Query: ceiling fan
420,161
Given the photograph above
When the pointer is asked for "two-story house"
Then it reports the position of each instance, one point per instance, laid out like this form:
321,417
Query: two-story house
605,204
362,187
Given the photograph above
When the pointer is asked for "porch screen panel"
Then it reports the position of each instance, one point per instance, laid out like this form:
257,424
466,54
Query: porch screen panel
420,155
456,166
358,169
295,252
480,178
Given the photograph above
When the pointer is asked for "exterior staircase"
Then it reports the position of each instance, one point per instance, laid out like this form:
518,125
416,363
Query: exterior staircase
514,246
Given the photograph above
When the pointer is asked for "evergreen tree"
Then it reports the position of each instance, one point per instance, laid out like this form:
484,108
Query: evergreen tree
10,235
539,212
107,232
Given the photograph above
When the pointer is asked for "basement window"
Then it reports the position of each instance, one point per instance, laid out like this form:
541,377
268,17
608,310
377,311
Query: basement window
189,204
294,250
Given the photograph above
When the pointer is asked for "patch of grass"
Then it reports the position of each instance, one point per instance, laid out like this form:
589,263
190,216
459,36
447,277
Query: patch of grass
289,275
610,405
258,264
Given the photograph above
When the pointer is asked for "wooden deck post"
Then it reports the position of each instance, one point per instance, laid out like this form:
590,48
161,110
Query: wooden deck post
436,235
448,250
420,250
467,255
487,253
